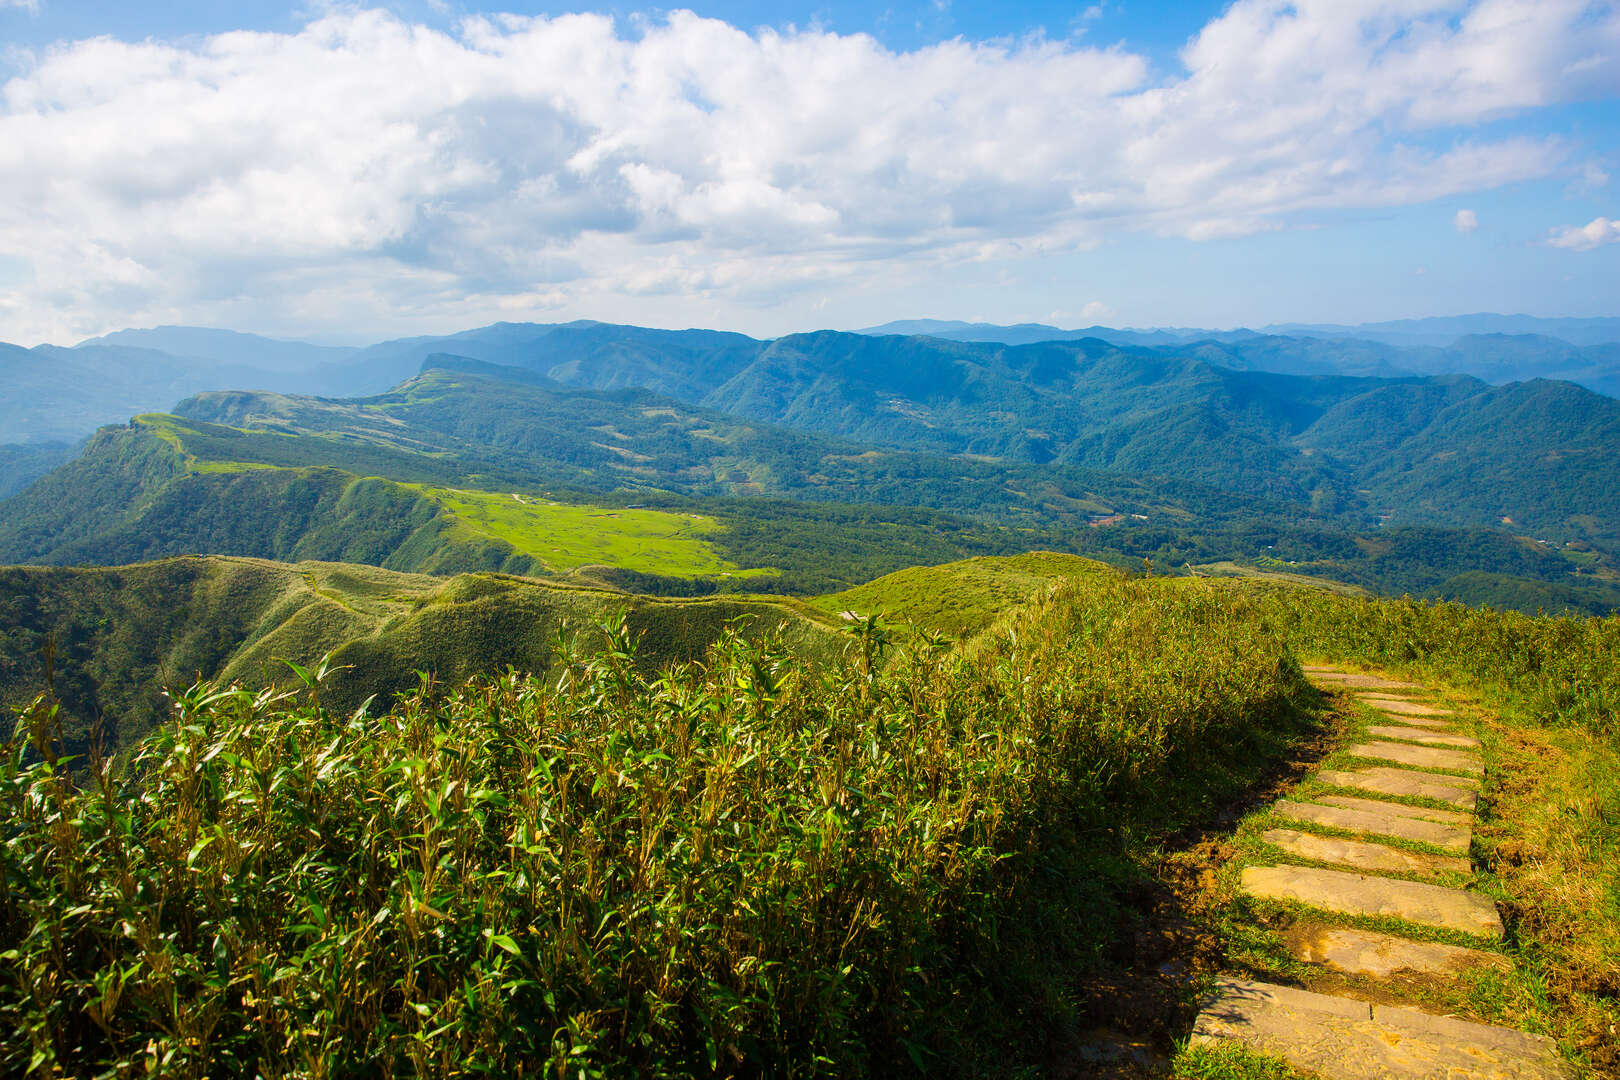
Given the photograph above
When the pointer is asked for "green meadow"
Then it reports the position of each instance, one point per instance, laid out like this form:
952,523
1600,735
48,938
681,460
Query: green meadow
566,536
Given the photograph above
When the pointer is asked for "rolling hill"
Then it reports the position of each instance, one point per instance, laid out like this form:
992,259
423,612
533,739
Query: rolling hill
124,635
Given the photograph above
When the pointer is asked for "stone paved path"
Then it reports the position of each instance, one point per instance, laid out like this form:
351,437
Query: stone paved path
1400,862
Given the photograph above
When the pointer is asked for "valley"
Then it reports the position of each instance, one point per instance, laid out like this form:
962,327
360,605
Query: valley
1137,457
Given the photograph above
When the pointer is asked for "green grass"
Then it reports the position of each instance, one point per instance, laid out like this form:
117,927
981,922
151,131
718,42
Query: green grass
753,866
962,597
565,536
1231,1061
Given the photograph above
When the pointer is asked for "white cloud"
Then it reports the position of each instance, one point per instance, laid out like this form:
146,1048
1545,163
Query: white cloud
1466,221
30,6
366,167
1594,233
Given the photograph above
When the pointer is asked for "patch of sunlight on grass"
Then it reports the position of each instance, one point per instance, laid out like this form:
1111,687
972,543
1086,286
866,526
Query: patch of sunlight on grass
565,536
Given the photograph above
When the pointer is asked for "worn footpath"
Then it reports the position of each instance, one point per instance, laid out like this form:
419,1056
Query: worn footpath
1370,862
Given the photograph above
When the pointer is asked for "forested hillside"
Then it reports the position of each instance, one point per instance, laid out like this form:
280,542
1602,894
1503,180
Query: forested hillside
472,466
1166,412
118,638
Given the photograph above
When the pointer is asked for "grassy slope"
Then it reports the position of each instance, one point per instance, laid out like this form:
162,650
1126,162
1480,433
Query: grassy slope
565,536
755,867
1548,837
963,597
124,635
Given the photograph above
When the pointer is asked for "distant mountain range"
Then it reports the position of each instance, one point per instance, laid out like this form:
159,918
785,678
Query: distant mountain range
1437,331
1396,483
52,394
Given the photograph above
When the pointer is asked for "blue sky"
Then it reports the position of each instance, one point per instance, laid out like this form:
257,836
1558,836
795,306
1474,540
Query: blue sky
346,172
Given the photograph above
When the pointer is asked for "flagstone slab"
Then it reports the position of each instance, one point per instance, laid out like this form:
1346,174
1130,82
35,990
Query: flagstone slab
1430,722
1403,706
1453,790
1345,1039
1365,952
1356,679
1350,893
1450,837
1425,757
1421,735
1350,802
1362,855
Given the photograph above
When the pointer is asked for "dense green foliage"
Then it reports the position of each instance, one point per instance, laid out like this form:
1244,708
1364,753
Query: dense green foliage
753,866
1557,670
23,463
124,635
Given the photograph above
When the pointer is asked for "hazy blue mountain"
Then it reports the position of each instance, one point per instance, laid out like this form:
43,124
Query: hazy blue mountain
1388,350
1443,330
602,356
53,394
1030,333
228,347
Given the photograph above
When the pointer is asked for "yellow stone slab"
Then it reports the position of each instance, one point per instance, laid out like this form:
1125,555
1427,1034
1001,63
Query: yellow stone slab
1424,757
1457,791
1366,952
1355,679
1382,806
1403,707
1349,893
1450,837
1424,736
1341,1038
1362,855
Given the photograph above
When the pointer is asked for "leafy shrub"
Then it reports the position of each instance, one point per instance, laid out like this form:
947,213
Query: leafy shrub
748,866
1562,669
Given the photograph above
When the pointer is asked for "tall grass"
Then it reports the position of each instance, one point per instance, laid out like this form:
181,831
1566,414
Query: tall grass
748,866
1563,670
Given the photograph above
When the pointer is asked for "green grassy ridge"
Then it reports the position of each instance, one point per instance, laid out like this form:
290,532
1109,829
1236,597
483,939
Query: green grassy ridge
756,866
960,598
193,504
136,495
124,635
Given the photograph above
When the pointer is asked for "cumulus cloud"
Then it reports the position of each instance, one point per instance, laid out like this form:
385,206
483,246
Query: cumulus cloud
366,165
1594,233
1466,221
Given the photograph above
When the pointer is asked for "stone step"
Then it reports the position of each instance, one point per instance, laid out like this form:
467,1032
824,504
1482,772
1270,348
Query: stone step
1365,952
1424,757
1402,706
1424,736
1363,855
1429,722
1378,806
1457,791
1355,679
1450,837
1345,1039
1349,893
